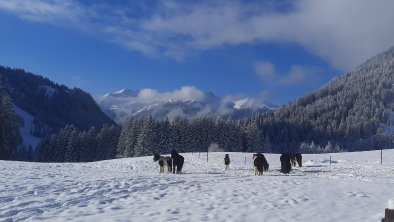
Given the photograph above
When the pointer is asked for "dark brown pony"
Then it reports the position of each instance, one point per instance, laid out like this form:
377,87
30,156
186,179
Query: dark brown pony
285,165
260,164
177,161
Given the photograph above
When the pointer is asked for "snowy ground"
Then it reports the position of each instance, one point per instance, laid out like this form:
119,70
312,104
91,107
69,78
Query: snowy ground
354,188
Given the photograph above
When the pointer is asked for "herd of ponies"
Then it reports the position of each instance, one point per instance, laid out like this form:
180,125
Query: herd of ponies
174,163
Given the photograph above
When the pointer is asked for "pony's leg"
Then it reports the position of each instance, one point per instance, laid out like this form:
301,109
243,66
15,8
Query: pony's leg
180,166
164,165
168,167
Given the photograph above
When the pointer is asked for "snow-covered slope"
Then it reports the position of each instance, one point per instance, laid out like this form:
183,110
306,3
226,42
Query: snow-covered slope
25,128
188,102
354,188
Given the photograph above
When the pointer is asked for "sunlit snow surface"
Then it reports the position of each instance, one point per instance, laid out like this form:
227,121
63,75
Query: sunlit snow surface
354,188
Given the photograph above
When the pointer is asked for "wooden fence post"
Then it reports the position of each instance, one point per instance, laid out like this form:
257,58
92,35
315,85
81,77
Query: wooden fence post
381,156
245,161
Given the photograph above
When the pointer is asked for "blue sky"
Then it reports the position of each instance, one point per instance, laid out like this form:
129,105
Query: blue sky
277,50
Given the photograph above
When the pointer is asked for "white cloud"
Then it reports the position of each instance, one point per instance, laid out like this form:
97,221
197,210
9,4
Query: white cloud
187,93
53,12
295,76
343,32
148,95
265,69
300,75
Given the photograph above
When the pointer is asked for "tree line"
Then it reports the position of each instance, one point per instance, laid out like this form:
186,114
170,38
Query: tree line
72,145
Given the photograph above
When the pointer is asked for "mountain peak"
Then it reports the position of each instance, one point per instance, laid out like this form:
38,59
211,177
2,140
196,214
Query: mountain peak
122,93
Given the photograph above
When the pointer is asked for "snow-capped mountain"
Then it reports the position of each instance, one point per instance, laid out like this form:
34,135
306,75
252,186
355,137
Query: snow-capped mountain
252,103
188,102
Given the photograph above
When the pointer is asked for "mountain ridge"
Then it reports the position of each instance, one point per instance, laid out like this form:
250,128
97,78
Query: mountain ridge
130,103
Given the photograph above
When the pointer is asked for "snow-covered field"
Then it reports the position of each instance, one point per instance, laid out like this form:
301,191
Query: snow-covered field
354,188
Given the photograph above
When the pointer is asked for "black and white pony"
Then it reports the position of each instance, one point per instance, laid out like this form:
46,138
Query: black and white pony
296,158
285,164
164,161
226,162
177,161
260,164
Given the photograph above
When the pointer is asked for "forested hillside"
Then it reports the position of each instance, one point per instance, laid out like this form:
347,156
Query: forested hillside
352,111
34,107
53,106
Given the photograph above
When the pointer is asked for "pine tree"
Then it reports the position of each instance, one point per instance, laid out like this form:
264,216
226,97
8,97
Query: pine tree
42,150
9,134
30,154
101,143
107,141
89,148
61,143
164,134
72,148
128,138
147,140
